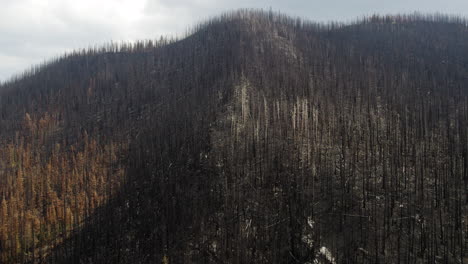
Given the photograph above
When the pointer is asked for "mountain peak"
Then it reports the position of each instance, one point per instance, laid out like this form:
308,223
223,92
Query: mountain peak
256,138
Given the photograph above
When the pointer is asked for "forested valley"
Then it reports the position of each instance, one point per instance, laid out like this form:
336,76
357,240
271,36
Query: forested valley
256,138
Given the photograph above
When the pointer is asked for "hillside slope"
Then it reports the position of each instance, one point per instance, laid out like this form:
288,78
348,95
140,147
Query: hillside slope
258,138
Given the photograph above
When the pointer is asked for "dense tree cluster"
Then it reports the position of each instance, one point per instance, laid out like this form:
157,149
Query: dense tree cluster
256,138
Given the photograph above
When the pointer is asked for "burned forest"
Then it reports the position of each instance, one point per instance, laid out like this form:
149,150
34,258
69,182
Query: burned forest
255,138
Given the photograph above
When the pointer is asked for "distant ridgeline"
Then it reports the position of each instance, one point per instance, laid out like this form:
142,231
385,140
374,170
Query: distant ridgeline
256,138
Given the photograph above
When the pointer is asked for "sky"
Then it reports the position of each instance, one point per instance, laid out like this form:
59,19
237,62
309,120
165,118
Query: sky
34,31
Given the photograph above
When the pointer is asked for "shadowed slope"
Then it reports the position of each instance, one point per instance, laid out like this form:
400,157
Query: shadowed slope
259,138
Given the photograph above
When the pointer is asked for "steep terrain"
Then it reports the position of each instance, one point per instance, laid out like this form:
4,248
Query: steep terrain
258,138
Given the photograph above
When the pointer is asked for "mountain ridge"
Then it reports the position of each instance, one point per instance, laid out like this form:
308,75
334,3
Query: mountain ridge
258,138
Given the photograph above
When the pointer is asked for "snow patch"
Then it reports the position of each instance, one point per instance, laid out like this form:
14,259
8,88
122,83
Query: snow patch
327,254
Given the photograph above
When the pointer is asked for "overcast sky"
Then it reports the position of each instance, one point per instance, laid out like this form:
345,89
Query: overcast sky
32,31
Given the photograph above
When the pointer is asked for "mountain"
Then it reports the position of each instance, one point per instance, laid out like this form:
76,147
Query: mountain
257,138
